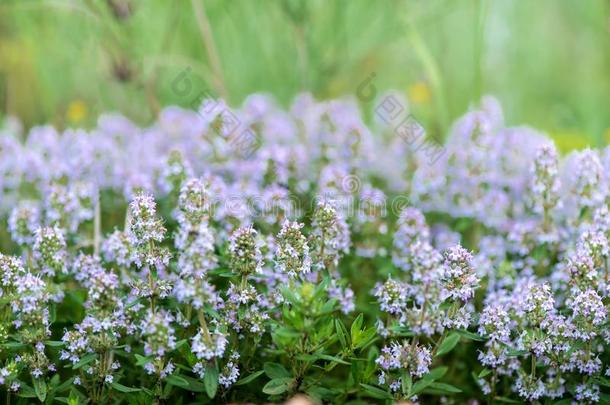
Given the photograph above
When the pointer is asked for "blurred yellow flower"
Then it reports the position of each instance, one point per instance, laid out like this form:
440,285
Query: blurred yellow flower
77,111
419,93
567,141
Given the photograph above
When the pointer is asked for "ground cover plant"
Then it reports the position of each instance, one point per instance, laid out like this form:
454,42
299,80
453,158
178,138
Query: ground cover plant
248,255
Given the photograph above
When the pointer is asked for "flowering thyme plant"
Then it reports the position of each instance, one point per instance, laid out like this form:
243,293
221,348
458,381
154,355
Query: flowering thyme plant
162,265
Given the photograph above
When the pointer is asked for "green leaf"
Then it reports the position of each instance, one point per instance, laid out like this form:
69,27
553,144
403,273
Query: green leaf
355,328
65,385
210,380
278,386
133,303
287,333
25,391
14,345
506,400
194,384
602,381
469,335
365,338
328,307
376,392
332,358
73,398
54,343
52,313
250,378
40,388
407,383
275,370
398,330
122,388
517,353
448,344
444,388
177,380
320,393
54,382
436,373
420,386
225,274
484,373
84,361
290,296
341,333
141,360
307,357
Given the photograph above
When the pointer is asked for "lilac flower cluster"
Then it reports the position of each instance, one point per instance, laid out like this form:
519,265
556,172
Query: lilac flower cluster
162,264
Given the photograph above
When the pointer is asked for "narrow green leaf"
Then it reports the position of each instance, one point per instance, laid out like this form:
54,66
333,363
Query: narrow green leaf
333,359
436,373
141,360
40,388
194,384
407,383
250,378
328,307
65,385
472,336
84,361
25,391
278,386
445,388
287,333
602,381
73,398
341,333
133,303
177,380
210,380
376,392
355,328
319,394
122,388
484,373
366,337
506,400
14,345
419,386
275,370
448,344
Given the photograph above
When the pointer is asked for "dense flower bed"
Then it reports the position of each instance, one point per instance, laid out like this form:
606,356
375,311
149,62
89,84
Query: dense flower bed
249,255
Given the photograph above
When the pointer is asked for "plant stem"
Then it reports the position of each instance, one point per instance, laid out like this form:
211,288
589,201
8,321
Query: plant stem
493,386
533,371
208,41
421,318
450,313
204,326
151,280
97,227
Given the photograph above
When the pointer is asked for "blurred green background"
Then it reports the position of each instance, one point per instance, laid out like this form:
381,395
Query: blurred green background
548,61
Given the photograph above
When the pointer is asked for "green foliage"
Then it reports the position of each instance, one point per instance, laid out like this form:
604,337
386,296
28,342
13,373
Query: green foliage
79,59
